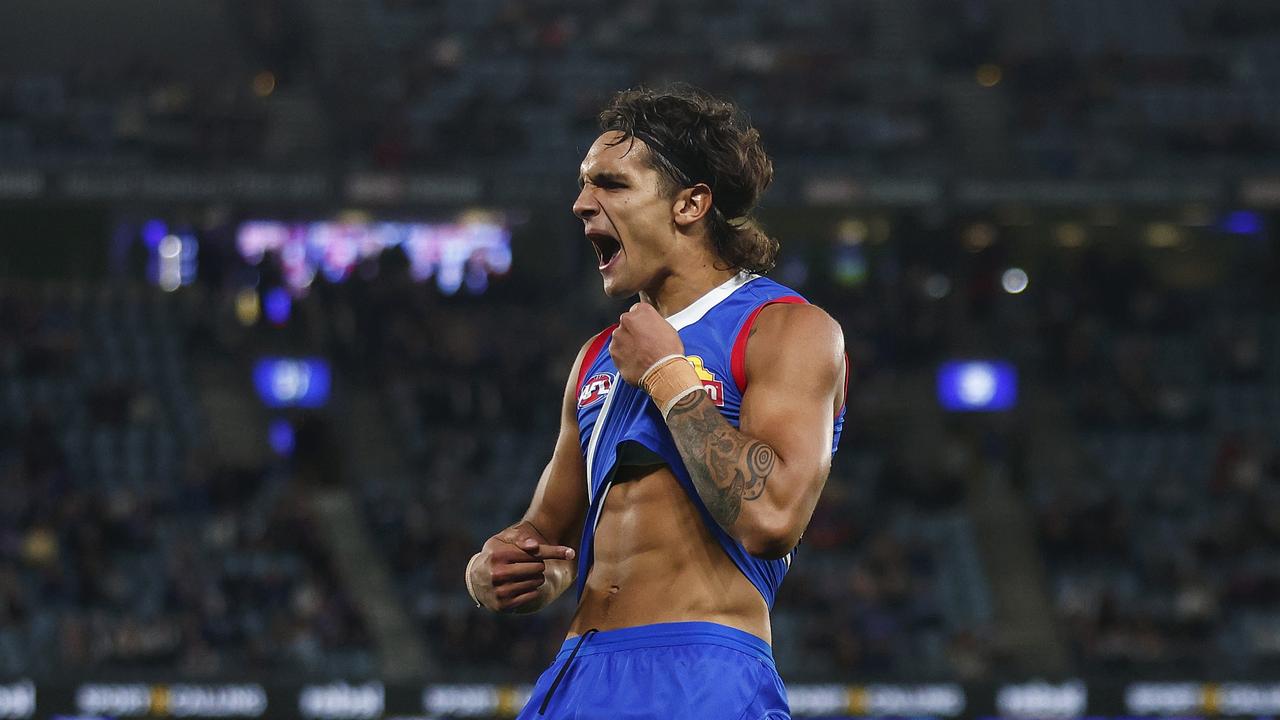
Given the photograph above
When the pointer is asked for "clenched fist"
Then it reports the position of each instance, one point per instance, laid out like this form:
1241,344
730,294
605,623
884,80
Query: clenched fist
642,338
511,567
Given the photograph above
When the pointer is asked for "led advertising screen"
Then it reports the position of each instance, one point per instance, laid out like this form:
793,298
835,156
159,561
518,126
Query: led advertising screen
457,255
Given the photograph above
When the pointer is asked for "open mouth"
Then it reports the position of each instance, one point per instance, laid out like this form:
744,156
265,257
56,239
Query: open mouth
607,247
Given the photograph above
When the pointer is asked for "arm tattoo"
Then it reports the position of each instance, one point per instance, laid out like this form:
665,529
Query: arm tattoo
727,467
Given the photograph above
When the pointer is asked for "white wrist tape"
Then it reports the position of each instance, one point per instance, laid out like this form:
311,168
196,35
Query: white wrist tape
467,578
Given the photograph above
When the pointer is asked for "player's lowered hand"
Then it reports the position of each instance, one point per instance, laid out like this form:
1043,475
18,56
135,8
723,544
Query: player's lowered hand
511,567
642,338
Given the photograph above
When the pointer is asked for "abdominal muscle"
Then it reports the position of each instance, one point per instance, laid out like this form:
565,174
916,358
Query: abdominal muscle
656,561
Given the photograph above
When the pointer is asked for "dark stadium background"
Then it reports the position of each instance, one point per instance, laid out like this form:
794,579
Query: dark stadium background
1083,190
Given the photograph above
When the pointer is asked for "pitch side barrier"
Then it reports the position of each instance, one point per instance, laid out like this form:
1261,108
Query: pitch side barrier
22,698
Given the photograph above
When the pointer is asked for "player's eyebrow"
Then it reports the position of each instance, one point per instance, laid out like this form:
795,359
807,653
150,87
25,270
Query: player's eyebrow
601,177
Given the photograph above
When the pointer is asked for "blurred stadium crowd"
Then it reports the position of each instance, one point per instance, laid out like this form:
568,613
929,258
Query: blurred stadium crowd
128,544
1062,88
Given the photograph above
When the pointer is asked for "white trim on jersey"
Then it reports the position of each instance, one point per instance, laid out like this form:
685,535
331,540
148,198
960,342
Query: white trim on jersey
714,297
604,495
599,427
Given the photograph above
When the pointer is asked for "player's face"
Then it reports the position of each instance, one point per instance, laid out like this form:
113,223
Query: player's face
625,214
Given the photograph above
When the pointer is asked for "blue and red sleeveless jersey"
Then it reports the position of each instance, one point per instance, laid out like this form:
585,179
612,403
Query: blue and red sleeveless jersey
714,330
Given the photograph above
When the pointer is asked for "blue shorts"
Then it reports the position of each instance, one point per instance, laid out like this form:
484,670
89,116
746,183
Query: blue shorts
671,671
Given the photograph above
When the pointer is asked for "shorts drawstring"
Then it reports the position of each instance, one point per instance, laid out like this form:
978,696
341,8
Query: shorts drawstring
564,669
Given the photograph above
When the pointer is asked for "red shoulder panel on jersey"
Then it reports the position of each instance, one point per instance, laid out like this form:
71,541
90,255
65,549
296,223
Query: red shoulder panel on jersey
593,350
738,359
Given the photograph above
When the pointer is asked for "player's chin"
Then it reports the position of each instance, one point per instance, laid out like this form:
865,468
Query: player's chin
617,287
614,290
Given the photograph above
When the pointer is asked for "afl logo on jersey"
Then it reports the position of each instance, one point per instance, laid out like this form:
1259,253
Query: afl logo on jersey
595,389
715,388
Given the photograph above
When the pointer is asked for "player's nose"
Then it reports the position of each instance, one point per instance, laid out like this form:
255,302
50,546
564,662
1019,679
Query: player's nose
585,206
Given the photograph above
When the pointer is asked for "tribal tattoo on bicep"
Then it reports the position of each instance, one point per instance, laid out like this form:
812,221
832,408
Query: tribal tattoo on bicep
727,467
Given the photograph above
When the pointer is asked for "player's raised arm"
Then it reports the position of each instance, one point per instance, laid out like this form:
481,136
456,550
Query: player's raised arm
528,565
762,480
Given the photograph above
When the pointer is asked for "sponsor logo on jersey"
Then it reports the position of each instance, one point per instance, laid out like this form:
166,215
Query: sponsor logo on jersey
715,388
594,389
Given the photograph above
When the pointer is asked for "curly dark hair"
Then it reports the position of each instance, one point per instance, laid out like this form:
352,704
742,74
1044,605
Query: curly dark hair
694,137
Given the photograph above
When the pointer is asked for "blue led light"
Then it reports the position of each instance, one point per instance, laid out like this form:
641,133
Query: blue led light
292,382
280,437
277,305
1242,222
977,386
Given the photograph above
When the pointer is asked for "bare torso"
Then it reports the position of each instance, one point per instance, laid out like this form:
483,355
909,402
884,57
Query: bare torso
656,561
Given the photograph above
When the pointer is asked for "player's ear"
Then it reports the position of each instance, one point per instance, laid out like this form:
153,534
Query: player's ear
692,204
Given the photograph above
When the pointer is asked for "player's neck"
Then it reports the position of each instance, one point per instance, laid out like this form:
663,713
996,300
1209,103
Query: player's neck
682,287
